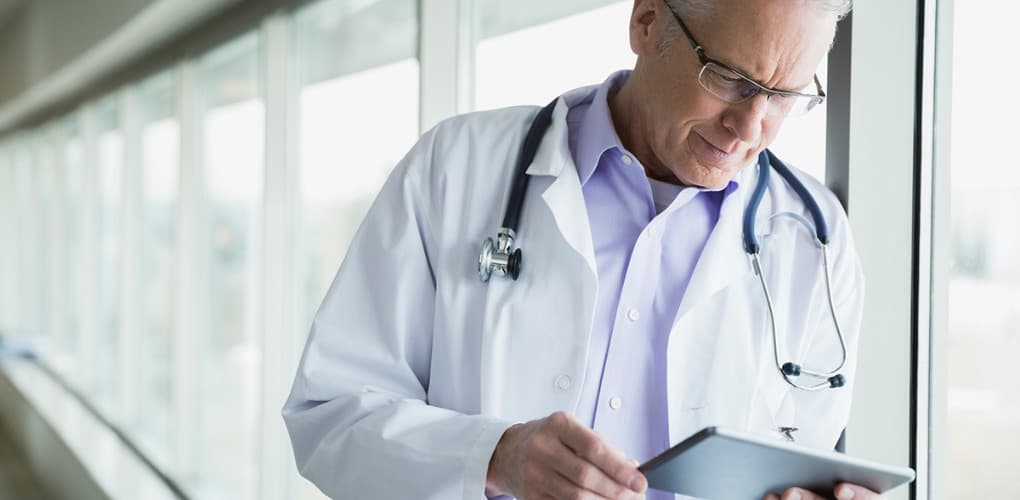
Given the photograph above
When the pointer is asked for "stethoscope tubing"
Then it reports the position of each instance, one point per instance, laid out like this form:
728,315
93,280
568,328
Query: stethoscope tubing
501,256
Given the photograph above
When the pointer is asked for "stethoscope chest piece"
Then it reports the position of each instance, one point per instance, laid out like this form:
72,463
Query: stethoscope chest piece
499,256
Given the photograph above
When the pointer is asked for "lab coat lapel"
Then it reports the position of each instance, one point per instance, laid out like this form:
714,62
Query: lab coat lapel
543,321
713,350
723,260
564,196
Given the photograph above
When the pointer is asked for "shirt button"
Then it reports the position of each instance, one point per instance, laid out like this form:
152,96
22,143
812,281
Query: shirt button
633,314
615,402
626,159
563,382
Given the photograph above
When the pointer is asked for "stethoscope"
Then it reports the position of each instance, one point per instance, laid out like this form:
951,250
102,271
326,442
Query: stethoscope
501,256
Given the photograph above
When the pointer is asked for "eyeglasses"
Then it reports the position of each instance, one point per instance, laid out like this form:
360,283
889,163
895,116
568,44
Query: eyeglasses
734,87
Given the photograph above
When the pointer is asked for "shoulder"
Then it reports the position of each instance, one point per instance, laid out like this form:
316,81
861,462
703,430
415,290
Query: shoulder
845,261
830,205
827,200
481,127
458,149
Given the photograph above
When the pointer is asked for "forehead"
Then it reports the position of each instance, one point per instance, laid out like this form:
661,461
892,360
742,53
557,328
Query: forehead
777,42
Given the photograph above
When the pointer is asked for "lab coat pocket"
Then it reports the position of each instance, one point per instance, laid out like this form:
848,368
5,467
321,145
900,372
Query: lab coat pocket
773,414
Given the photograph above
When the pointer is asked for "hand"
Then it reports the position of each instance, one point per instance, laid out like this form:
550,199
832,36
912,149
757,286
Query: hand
558,457
842,491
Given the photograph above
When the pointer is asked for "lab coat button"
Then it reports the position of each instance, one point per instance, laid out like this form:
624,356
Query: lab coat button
633,314
626,159
563,382
615,402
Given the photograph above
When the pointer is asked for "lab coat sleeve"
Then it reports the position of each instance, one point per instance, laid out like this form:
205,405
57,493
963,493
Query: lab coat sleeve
358,414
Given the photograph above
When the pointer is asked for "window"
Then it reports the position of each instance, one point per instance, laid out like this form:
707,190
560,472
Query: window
530,52
28,234
46,205
801,141
102,385
9,241
984,288
160,139
73,187
229,356
348,144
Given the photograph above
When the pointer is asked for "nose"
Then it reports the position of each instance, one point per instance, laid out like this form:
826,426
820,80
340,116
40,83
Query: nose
745,119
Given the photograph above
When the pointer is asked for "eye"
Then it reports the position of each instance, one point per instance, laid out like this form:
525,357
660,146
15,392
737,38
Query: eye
728,79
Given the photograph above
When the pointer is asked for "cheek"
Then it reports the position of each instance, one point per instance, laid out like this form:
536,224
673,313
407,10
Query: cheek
770,129
702,114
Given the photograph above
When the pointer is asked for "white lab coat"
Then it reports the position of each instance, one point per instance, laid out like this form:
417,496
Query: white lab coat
414,368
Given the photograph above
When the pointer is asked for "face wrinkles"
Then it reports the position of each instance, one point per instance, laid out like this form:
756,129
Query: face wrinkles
684,134
790,60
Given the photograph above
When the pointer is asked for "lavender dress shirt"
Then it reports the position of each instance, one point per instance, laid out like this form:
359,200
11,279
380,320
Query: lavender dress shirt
645,256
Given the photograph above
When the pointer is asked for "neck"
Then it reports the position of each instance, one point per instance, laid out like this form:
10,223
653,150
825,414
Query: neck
630,127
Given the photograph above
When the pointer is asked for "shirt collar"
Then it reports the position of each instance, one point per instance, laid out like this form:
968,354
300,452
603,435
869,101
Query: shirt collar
597,134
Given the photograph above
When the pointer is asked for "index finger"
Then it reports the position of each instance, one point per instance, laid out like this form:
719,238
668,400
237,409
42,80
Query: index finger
591,447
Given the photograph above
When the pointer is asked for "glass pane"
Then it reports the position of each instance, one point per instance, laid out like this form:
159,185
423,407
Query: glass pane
49,205
801,141
530,52
984,287
160,143
74,206
230,356
573,44
348,144
8,240
28,221
111,166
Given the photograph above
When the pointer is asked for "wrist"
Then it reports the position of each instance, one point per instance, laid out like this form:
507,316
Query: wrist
494,481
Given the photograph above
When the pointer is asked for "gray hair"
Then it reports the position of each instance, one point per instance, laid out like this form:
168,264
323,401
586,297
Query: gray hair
695,8
691,9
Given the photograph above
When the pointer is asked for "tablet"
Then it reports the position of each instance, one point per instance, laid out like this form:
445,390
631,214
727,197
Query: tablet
718,463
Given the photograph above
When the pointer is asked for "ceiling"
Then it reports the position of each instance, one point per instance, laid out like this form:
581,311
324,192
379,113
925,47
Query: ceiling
7,7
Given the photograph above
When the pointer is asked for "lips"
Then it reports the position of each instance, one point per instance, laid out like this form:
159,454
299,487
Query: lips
708,153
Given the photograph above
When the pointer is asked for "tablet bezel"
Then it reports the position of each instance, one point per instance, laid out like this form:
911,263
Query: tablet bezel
838,467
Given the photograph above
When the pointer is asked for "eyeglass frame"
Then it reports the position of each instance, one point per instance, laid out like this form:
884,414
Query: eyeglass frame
703,58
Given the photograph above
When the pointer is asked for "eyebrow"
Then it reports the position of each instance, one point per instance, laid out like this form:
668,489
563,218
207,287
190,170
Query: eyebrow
747,74
697,46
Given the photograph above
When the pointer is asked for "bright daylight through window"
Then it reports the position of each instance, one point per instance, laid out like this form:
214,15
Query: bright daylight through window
984,288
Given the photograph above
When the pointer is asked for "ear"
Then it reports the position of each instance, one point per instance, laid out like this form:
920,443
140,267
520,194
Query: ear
646,25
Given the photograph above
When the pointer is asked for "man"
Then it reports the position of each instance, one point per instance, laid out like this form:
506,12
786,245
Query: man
637,319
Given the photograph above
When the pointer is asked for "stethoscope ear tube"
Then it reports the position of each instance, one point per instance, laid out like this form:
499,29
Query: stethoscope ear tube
791,371
528,151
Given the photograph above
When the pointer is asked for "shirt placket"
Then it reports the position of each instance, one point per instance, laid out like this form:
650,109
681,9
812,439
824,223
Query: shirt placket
622,405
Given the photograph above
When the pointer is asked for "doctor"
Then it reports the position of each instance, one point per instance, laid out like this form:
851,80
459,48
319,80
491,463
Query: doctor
637,319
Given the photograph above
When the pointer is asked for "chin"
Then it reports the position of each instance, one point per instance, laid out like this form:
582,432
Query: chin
716,178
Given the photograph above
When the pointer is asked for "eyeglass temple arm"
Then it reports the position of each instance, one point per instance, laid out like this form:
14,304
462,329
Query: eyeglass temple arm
687,33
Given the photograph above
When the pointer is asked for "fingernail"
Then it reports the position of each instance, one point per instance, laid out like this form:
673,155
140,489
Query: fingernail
635,484
794,496
844,493
635,462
